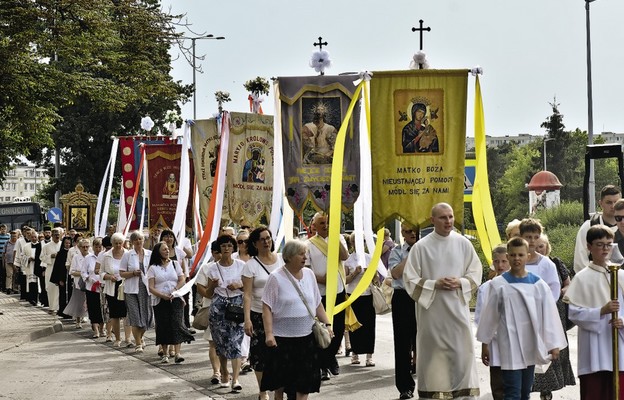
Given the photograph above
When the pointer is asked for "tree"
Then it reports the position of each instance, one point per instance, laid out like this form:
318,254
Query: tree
108,67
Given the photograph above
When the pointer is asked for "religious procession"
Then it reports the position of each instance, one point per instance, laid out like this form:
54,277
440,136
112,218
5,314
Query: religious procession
282,240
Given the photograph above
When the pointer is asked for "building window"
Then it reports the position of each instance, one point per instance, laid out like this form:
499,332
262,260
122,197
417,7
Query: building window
31,186
38,174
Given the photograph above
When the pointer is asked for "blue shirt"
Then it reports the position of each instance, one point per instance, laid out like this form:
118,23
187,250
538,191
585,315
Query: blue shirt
398,254
530,278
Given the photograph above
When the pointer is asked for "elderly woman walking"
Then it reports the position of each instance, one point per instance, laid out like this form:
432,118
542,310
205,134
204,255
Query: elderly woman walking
133,267
292,364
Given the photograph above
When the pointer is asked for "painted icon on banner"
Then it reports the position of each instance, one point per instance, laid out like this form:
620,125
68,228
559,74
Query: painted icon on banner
253,170
170,188
321,118
419,122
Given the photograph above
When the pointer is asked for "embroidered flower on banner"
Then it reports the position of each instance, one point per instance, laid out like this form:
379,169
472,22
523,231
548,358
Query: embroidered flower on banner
320,61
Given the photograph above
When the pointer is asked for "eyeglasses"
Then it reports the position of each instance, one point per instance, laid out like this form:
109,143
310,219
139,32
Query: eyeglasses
241,241
602,245
618,218
265,239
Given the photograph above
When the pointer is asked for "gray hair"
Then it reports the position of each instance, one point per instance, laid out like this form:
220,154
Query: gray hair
292,248
136,235
118,237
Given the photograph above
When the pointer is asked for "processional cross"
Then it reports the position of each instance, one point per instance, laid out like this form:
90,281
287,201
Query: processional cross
420,30
320,44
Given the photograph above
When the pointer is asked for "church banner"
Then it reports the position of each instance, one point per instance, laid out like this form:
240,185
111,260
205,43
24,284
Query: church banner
312,111
130,159
163,171
418,135
205,143
250,168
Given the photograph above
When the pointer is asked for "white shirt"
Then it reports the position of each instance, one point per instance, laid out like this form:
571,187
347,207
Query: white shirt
259,277
227,275
110,266
587,293
525,320
76,266
581,254
317,261
291,318
88,271
546,269
203,279
351,263
46,254
130,262
482,296
165,278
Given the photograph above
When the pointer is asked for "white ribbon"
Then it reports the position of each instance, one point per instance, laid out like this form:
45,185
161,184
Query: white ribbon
477,70
279,201
179,222
365,76
104,215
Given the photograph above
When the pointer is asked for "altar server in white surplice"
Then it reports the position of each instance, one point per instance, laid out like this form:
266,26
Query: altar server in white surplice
522,314
590,309
442,273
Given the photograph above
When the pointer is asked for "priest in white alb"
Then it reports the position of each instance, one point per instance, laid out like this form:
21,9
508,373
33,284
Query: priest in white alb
442,273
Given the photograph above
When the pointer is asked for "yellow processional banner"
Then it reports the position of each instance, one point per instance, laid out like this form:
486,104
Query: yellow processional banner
418,135
250,168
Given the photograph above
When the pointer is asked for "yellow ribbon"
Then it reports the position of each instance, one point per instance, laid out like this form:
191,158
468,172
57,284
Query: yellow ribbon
482,209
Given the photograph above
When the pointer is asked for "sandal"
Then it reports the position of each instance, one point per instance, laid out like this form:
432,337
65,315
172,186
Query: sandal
216,379
355,359
370,363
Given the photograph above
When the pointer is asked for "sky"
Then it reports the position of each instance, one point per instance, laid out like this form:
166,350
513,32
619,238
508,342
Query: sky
530,51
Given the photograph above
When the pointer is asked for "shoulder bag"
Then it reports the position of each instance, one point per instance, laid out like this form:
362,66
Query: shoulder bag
233,312
319,329
200,321
379,300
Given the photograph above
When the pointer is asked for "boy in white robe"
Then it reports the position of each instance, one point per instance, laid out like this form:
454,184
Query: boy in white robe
522,314
490,357
590,308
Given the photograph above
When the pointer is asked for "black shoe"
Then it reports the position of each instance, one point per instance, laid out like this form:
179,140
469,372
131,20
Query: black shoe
192,331
324,375
334,368
408,394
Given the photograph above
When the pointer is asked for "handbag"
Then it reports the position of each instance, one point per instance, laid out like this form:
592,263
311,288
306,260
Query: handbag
200,321
319,329
379,300
233,312
82,285
121,296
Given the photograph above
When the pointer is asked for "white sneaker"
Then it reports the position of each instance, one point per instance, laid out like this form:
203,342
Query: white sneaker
225,384
164,360
236,386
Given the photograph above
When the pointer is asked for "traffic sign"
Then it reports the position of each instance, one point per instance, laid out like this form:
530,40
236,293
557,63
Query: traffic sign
55,214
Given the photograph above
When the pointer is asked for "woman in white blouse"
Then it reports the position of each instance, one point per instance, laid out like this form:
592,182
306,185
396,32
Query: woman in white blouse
110,274
362,339
92,284
133,268
77,306
255,274
292,364
165,276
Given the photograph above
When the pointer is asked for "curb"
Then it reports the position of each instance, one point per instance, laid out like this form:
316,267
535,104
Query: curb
41,333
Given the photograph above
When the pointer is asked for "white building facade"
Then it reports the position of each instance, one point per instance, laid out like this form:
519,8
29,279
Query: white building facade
23,183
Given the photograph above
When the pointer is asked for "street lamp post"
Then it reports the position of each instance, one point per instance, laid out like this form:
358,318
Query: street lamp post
591,187
193,39
546,140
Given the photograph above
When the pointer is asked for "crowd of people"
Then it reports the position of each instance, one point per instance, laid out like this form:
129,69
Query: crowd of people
262,305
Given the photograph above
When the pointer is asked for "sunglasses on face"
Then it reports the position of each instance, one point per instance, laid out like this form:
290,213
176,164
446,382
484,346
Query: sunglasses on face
241,241
618,218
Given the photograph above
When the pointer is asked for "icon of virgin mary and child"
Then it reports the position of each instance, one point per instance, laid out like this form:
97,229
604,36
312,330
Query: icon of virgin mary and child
418,136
